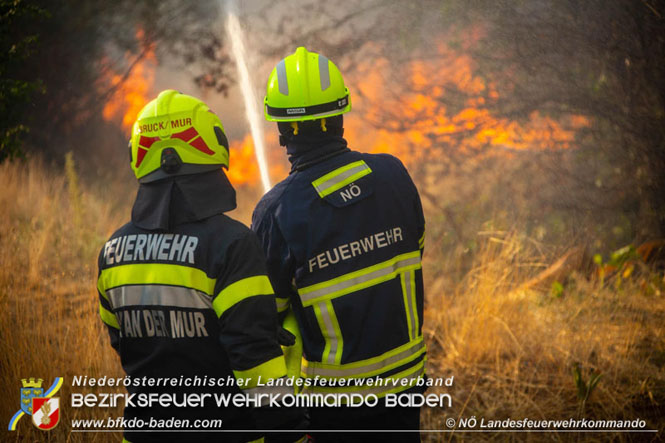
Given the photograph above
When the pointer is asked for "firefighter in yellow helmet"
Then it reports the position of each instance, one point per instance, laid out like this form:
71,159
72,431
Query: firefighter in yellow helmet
183,289
343,236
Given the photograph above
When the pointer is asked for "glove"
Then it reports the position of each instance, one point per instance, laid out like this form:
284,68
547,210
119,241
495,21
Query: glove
284,337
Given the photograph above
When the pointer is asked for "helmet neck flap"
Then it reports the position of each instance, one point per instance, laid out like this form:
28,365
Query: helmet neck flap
163,204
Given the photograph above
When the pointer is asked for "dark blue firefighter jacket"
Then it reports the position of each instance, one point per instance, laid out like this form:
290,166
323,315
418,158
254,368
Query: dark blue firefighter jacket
343,239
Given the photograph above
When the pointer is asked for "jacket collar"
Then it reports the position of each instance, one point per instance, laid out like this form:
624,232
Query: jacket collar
307,150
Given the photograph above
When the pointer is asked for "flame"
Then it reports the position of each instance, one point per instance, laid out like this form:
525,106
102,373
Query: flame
243,168
443,104
131,90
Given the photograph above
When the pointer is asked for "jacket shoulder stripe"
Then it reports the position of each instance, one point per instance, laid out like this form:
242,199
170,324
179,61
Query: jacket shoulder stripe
340,177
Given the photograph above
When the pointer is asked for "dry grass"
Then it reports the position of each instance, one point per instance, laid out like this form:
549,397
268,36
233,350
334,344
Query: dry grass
50,232
511,351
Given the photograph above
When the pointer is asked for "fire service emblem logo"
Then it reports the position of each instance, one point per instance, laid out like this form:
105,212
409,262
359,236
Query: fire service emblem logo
46,413
44,408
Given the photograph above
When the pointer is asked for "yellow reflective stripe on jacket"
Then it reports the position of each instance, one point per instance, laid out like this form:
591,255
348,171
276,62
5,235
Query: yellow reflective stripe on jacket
394,383
361,279
282,304
340,177
108,317
421,241
155,273
408,281
369,367
240,290
274,368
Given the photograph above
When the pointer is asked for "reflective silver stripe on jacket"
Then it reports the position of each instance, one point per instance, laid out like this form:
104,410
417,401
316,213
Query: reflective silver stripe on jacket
158,295
329,332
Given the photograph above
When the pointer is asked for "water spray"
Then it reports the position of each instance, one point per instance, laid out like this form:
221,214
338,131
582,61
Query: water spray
252,110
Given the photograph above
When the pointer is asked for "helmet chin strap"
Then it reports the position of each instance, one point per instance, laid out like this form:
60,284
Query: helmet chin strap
328,126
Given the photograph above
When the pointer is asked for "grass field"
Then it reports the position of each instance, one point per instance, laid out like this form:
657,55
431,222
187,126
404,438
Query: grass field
511,347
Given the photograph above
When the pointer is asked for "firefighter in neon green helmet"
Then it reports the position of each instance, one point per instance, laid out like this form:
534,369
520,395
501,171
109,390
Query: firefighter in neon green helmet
183,289
305,86
343,235
177,134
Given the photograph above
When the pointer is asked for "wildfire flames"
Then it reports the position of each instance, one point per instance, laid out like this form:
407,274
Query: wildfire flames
131,91
243,168
442,104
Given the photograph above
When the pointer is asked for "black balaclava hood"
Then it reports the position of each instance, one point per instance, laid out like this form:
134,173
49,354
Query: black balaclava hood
165,203
311,144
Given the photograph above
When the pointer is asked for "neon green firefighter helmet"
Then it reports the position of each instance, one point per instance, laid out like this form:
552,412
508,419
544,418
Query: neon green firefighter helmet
176,134
305,86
